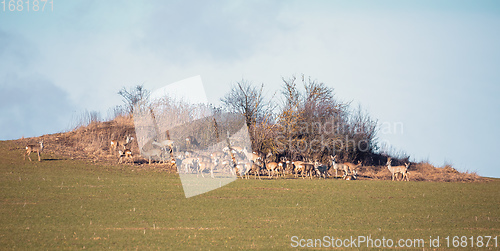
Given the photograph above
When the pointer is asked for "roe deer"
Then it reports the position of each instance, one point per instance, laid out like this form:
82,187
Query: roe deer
254,157
351,168
124,143
153,152
398,169
164,144
271,167
205,166
405,174
304,167
189,165
336,166
127,153
34,148
255,169
321,170
352,176
281,167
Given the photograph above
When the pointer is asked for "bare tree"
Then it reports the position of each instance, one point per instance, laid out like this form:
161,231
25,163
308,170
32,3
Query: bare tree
311,122
309,118
132,96
289,119
246,99
363,131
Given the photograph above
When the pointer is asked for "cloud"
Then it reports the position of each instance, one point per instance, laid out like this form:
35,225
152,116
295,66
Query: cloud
16,52
32,106
218,30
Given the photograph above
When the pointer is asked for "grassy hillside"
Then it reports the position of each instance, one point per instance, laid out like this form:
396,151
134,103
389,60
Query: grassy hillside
64,203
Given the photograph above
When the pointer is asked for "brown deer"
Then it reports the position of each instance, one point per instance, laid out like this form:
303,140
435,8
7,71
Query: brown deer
123,143
304,168
271,168
34,148
127,154
205,166
153,152
398,169
350,168
336,166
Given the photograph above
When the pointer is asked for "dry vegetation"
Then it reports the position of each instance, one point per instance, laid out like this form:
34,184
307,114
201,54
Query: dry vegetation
91,142
421,172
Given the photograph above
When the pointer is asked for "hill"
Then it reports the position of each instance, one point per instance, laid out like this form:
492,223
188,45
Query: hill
92,142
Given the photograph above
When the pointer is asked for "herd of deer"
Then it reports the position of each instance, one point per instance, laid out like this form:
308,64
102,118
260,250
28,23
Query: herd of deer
237,160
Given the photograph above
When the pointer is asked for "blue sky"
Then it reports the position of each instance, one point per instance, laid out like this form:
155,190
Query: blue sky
431,66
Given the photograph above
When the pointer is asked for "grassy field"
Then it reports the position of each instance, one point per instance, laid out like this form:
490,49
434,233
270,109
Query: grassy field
60,203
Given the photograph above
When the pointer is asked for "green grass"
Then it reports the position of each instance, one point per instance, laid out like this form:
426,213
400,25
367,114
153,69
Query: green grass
73,204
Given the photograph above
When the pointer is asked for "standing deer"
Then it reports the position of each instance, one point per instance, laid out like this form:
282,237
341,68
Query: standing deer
398,169
321,170
271,168
336,166
298,167
282,167
124,143
153,152
346,167
164,143
189,164
204,165
254,168
405,174
309,168
166,146
289,167
350,168
304,168
254,157
34,148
